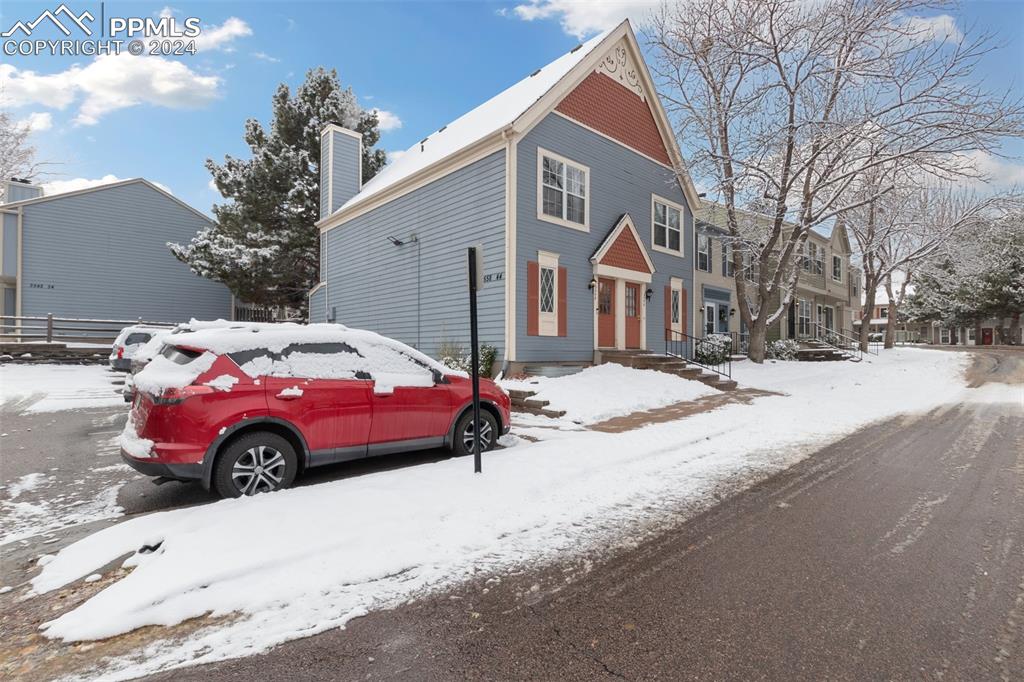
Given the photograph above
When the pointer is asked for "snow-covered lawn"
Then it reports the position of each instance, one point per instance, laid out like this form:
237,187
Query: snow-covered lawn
59,387
301,561
606,391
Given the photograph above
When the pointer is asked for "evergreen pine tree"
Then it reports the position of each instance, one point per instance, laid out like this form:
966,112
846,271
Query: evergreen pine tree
264,245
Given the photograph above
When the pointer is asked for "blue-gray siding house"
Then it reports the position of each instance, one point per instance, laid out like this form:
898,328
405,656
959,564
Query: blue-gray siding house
570,180
101,253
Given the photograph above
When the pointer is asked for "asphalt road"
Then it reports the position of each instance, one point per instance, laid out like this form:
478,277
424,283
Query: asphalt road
896,553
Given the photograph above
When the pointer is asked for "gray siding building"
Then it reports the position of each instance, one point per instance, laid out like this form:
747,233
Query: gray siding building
572,182
101,253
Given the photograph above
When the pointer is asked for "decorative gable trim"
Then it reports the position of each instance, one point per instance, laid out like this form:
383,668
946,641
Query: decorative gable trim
619,249
620,67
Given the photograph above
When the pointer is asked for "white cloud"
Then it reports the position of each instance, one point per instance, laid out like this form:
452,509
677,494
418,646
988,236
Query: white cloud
996,172
37,121
939,28
387,120
167,12
61,186
582,19
263,56
213,186
109,83
395,155
221,37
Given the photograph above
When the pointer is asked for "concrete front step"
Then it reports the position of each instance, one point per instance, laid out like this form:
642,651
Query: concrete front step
670,365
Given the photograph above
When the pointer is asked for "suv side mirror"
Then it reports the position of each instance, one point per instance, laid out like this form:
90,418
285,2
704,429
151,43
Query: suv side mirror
438,377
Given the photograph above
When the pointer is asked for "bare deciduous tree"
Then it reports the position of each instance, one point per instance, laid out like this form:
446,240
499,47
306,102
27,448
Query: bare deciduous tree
785,106
17,155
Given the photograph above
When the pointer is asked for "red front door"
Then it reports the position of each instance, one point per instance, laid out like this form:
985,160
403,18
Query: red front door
986,336
632,315
606,313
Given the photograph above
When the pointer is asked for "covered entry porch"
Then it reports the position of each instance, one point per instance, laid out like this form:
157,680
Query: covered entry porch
621,283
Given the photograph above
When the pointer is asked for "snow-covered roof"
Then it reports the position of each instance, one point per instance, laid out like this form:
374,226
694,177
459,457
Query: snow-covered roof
488,118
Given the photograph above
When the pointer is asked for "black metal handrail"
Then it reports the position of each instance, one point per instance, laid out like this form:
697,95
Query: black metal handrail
711,353
838,340
740,342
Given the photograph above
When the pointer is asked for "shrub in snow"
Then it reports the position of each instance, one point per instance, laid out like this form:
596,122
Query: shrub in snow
454,355
714,349
783,349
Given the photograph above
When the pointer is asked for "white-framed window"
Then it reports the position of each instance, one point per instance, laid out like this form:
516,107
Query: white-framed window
704,252
837,268
727,269
883,312
803,317
563,191
944,335
547,291
666,226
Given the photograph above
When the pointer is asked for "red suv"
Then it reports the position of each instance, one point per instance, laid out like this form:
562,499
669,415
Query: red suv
244,411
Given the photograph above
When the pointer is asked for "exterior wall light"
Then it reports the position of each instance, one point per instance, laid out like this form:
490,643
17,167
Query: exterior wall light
648,294
592,283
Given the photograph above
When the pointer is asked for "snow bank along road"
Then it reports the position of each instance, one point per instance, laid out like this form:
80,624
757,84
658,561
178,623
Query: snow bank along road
381,539
894,553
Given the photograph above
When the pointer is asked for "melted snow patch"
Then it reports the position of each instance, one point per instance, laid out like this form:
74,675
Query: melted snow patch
225,382
290,392
24,484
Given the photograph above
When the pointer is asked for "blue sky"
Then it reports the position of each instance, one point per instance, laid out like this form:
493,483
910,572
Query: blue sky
425,63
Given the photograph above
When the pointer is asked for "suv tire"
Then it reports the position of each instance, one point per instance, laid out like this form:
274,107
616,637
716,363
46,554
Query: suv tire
463,441
255,463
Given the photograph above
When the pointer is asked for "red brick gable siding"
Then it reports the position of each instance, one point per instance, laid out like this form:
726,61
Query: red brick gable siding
612,109
626,253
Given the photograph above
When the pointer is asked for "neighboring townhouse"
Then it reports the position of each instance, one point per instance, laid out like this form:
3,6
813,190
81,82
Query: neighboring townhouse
827,293
715,309
992,331
568,181
101,253
827,297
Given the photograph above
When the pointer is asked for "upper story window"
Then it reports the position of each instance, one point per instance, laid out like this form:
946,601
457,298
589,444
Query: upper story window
883,312
563,191
727,268
813,258
837,268
704,252
667,226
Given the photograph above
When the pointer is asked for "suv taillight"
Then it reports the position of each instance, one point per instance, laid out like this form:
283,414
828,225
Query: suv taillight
173,396
120,352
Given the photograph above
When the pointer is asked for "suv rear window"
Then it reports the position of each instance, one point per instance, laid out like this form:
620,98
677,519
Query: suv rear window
179,356
136,338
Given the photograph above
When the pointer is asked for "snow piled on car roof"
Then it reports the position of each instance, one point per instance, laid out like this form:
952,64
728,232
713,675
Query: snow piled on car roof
296,350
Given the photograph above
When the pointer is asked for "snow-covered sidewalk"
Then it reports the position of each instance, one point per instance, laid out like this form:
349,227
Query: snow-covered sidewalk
301,561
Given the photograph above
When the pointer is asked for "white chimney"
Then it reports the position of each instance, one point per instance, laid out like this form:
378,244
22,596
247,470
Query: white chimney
17,189
341,167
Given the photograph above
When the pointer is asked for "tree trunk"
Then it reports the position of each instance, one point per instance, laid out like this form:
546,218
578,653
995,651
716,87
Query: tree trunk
890,326
869,307
977,332
1014,327
758,333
